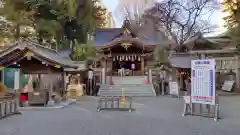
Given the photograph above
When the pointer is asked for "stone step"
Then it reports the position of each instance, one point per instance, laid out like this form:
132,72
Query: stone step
129,90
130,95
128,80
125,89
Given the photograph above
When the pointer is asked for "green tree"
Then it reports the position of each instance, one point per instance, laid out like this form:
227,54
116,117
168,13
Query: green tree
232,7
49,18
16,18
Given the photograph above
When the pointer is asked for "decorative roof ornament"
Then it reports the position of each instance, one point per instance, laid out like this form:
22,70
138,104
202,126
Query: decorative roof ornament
29,55
126,45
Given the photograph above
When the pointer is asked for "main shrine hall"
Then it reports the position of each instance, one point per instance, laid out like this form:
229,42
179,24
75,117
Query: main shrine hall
127,48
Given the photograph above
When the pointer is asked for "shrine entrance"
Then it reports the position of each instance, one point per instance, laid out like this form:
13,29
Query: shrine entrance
125,53
130,64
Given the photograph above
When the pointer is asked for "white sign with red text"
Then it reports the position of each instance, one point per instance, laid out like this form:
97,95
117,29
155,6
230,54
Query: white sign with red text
203,81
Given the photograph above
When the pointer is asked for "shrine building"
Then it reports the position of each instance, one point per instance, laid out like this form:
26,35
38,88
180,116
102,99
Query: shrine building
127,47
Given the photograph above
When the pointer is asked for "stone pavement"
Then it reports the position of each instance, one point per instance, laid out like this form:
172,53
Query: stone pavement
59,105
153,116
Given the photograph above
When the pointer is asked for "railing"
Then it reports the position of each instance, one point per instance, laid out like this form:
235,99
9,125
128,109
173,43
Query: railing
115,103
9,105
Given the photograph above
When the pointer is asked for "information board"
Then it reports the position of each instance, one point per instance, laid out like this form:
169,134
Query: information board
174,89
203,81
228,85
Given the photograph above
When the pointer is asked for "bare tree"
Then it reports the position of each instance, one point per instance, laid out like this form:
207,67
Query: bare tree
182,19
131,9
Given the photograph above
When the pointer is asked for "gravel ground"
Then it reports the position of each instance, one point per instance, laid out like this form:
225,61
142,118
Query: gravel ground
153,116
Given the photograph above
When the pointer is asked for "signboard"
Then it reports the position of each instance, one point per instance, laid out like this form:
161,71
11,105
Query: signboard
90,74
174,89
133,66
227,86
203,81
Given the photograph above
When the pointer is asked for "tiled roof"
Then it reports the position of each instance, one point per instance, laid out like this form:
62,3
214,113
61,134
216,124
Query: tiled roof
40,50
181,61
104,36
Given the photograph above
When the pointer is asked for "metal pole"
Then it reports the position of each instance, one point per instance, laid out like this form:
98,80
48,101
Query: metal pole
163,87
90,90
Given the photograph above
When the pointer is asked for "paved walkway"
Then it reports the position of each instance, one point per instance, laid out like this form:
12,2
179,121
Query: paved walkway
153,116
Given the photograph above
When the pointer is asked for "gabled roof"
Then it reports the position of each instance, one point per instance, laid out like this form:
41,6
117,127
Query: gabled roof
105,35
40,51
181,61
200,42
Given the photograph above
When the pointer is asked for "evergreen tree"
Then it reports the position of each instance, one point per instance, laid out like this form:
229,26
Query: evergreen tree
14,19
54,21
232,7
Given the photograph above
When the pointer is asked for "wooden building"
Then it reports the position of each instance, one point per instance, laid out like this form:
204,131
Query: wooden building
32,58
219,48
128,48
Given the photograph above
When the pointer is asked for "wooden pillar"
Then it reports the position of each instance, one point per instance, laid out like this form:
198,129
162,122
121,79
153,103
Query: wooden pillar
64,83
142,65
237,73
105,73
21,78
50,89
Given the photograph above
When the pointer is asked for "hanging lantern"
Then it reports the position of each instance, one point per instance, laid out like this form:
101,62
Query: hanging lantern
114,58
139,58
120,58
126,58
132,58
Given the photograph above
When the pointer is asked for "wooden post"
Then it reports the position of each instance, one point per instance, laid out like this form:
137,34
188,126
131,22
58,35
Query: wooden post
21,78
150,75
103,76
237,73
50,90
142,65
64,83
105,73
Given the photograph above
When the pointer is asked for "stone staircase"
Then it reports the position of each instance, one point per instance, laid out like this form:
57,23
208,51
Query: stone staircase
134,86
129,80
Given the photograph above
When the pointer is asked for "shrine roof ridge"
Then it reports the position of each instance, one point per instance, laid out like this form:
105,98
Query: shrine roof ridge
47,53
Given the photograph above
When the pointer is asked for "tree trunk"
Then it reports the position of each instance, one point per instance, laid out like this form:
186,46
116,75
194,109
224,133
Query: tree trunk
17,32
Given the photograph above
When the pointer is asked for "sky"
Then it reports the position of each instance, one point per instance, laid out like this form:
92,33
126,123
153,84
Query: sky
216,17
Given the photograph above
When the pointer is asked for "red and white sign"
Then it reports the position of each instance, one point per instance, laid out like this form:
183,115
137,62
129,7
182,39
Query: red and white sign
203,81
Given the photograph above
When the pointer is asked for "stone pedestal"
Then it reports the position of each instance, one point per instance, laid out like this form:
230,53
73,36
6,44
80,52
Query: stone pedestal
51,103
